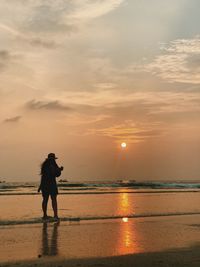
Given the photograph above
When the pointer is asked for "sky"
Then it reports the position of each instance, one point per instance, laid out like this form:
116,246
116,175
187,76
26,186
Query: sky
79,77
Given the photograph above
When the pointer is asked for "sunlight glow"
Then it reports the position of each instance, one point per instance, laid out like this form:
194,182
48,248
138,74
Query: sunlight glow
125,219
123,145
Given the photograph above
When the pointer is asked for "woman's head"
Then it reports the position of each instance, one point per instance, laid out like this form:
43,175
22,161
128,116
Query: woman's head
52,156
51,159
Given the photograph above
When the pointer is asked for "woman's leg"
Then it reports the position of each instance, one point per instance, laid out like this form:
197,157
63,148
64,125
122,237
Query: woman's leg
54,205
44,205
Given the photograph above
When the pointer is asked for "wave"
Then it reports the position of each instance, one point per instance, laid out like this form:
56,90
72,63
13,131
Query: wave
96,187
134,184
8,193
94,218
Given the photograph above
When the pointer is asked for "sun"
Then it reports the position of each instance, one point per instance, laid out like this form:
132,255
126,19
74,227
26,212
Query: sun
125,219
123,145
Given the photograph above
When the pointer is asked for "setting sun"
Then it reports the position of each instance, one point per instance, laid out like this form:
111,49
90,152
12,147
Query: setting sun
123,145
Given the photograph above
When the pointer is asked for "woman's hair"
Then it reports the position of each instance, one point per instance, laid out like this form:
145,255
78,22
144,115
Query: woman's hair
45,165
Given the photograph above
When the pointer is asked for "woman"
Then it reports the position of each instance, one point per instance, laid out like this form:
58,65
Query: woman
48,185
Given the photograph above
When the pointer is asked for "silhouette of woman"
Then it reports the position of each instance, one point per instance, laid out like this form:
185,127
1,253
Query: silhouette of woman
48,185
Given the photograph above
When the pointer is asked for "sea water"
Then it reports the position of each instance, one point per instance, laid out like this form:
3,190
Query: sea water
98,220
20,203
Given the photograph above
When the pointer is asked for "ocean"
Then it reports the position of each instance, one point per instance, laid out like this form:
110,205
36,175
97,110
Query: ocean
85,201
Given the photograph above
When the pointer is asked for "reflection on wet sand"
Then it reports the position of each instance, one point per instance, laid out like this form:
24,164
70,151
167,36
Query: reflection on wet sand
127,241
50,245
122,237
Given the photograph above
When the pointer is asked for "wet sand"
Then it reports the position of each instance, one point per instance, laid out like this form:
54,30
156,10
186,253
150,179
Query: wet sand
163,241
28,207
176,258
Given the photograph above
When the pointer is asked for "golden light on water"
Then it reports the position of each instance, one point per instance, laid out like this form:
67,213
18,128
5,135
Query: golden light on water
128,235
125,219
123,145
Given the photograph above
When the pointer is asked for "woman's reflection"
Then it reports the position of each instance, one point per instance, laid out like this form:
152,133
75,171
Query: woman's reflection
50,246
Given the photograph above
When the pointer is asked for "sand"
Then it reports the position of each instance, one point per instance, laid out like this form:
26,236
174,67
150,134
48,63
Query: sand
176,258
162,241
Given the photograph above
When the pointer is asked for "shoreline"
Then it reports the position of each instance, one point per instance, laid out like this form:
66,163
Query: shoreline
94,219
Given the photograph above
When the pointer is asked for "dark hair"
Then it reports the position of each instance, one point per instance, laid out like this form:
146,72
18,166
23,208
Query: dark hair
44,166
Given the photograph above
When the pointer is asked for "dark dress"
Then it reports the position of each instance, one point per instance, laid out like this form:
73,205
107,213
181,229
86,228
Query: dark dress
49,172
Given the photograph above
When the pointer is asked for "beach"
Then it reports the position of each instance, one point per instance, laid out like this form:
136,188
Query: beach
100,133
158,241
101,226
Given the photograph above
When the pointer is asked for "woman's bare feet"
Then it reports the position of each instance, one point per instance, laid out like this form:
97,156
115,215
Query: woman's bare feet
56,218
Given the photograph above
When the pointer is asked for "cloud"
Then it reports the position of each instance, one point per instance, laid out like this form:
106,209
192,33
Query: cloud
5,57
43,43
105,86
47,23
55,16
90,9
130,132
134,116
35,41
12,119
132,104
48,17
131,116
47,105
179,62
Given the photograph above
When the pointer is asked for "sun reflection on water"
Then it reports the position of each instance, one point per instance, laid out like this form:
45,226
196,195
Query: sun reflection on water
125,219
128,236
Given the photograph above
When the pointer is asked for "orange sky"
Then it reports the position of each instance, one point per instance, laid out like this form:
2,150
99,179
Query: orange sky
79,77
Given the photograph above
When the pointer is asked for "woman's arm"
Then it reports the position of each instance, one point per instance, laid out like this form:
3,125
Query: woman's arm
40,186
58,171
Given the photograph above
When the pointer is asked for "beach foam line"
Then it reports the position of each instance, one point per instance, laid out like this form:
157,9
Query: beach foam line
103,192
93,218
